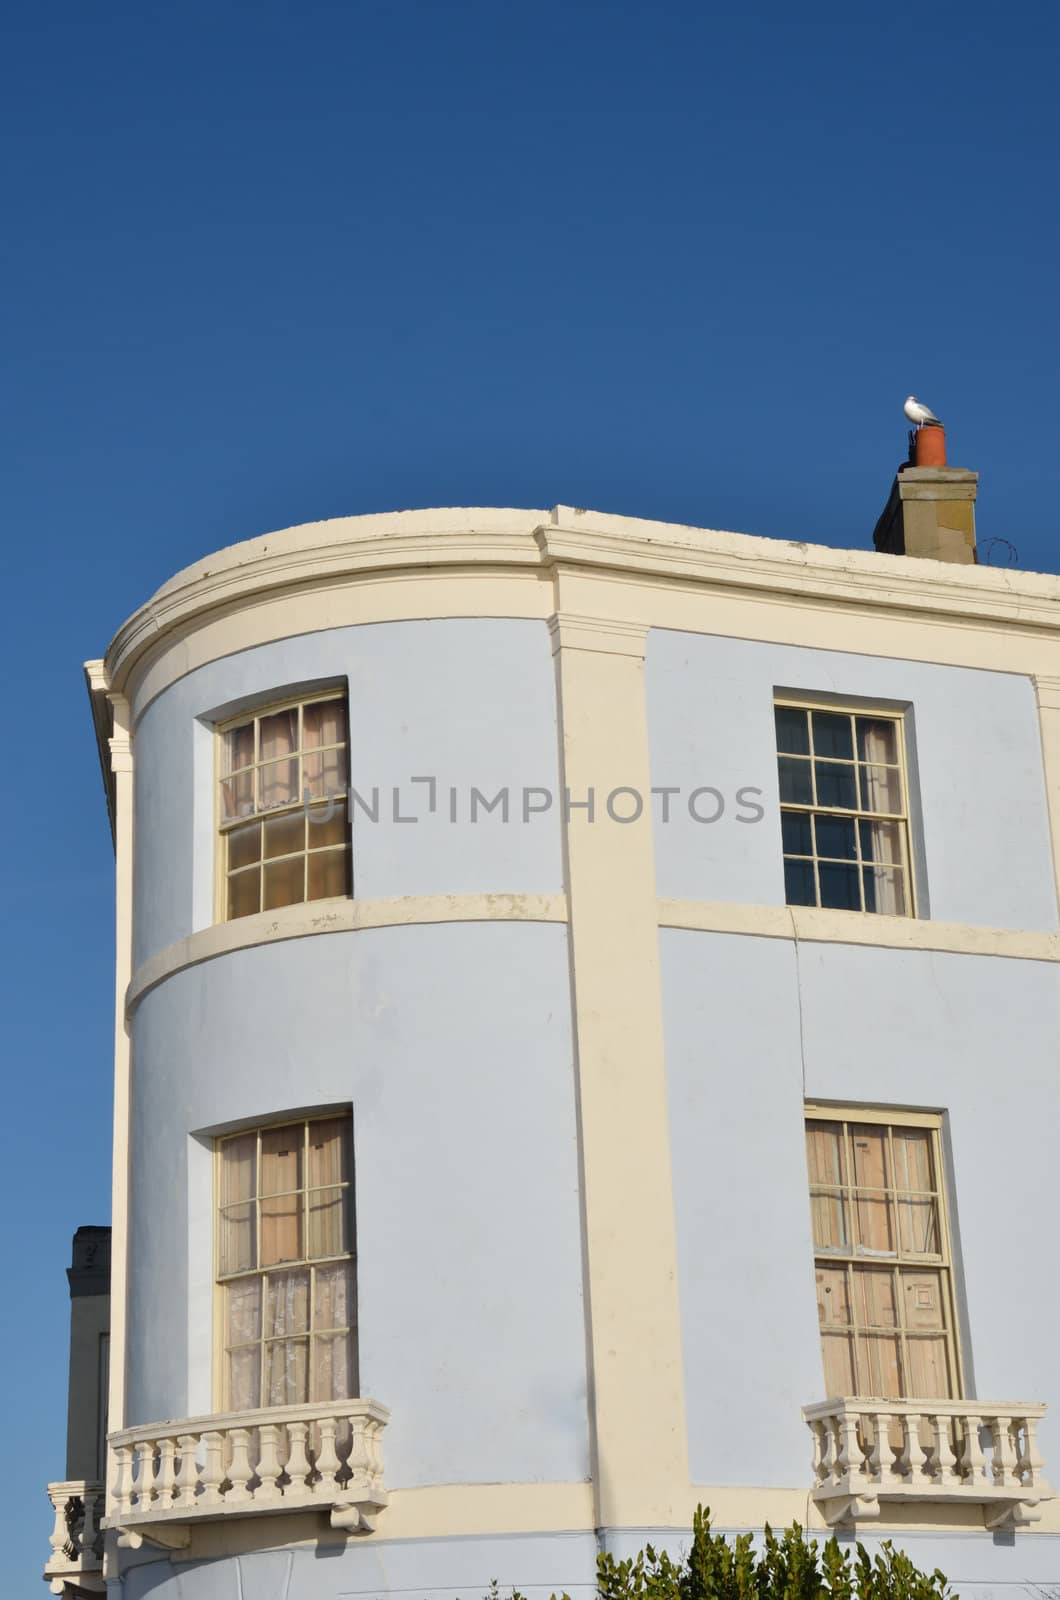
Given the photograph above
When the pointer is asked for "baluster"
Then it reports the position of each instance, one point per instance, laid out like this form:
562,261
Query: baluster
328,1462
848,1454
298,1467
213,1468
919,1455
359,1459
880,1457
122,1486
1030,1462
188,1473
60,1533
145,1479
239,1469
90,1530
375,1450
1004,1452
945,1452
167,1449
268,1464
903,1466
973,1461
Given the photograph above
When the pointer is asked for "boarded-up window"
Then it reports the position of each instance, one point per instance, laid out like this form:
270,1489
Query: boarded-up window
881,1256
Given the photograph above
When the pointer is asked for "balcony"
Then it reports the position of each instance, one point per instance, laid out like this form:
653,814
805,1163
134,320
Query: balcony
961,1451
77,1538
323,1456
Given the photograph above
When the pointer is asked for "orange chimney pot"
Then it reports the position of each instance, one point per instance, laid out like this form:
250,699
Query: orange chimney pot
929,445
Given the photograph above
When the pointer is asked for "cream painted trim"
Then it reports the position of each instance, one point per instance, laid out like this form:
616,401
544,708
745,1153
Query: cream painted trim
338,916
816,925
451,563
121,765
1047,690
597,633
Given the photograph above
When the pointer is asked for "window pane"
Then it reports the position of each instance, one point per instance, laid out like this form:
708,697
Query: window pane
237,1239
287,1303
793,737
284,882
287,1372
243,1317
795,784
881,789
244,894
244,1378
328,825
840,887
923,1300
327,874
239,1168
331,1367
796,833
877,740
281,1159
327,1222
237,796
799,886
238,748
873,1223
879,1370
825,1152
324,774
913,1166
881,841
885,890
836,836
278,734
324,723
929,1377
284,835
244,845
918,1227
829,1214
329,1152
832,1306
869,1143
838,1352
874,1302
835,785
833,735
281,1230
331,1296
278,784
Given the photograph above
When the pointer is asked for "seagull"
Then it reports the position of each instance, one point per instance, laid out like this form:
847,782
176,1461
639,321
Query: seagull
920,414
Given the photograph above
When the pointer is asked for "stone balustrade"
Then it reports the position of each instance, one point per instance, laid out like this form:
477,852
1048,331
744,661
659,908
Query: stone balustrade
77,1538
322,1456
866,1451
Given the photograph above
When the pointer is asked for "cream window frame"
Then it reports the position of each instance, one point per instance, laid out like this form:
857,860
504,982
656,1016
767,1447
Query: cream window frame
221,1345
941,1261
854,708
223,827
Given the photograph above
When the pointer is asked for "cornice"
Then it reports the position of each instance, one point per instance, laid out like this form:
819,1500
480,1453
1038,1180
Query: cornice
320,555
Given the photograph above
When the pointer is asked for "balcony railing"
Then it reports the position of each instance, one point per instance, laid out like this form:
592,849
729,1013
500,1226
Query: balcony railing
868,1451
323,1456
77,1538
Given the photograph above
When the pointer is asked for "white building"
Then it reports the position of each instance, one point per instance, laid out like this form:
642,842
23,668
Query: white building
648,1160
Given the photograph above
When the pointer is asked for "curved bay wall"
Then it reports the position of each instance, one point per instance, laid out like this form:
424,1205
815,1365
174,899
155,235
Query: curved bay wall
469,702
453,1045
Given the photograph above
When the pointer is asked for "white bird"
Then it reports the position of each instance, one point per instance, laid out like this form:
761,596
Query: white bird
918,413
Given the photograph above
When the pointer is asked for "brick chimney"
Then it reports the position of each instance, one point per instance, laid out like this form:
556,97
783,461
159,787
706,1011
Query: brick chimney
930,511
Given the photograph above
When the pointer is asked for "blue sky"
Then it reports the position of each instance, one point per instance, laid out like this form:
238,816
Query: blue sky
267,263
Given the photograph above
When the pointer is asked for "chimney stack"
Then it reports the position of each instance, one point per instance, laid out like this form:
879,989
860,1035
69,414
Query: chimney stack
930,511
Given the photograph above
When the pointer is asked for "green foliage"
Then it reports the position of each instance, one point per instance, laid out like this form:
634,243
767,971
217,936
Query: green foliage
786,1568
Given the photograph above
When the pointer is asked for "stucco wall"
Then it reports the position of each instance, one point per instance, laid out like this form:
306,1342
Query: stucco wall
754,1026
976,777
467,701
453,1044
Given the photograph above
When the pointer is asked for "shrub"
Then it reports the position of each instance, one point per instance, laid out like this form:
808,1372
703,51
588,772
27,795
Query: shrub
786,1568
